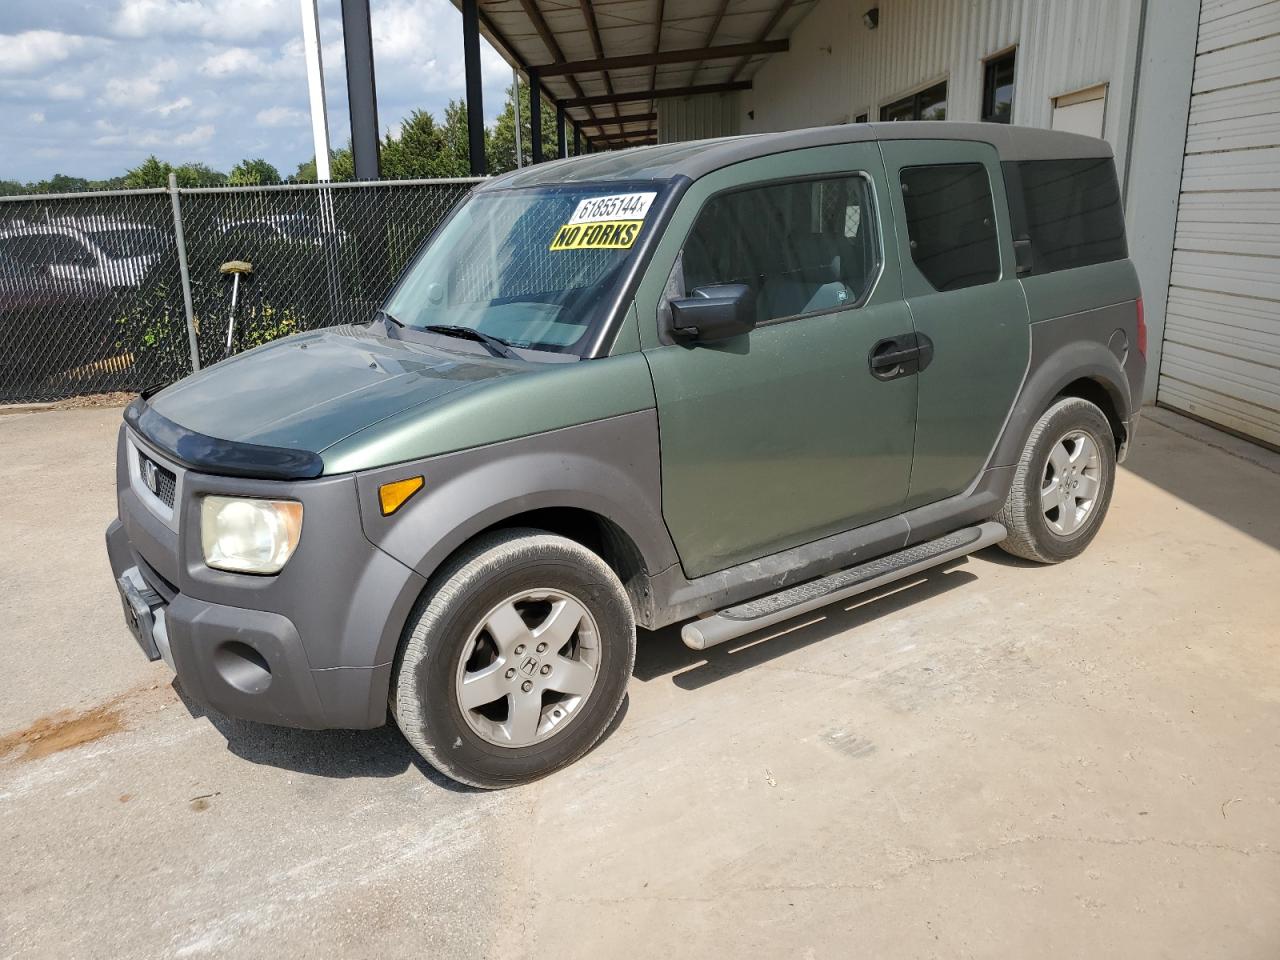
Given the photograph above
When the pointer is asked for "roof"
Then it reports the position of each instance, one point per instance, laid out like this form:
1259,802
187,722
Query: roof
696,158
630,53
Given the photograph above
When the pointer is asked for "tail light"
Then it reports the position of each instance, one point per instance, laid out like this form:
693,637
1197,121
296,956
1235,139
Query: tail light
1142,330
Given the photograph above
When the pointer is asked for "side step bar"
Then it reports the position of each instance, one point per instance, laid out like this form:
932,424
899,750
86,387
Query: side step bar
795,601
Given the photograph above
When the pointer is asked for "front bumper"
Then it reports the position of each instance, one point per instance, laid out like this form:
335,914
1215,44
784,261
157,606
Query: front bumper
310,647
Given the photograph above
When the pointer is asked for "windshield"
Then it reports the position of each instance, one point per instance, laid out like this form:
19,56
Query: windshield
536,267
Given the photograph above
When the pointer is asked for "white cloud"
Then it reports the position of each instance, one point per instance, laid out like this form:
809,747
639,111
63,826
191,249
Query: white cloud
65,91
142,92
281,117
215,19
199,135
164,109
136,93
235,61
36,116
35,49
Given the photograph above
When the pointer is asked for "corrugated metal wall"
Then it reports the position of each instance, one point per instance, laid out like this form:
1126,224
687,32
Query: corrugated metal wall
695,118
1221,358
837,68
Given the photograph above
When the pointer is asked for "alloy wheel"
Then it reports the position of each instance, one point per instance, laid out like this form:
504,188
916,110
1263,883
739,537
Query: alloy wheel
528,668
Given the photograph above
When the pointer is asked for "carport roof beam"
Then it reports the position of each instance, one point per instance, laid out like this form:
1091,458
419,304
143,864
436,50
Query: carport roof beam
658,94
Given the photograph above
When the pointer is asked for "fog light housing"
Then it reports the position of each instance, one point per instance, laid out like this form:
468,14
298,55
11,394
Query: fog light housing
249,535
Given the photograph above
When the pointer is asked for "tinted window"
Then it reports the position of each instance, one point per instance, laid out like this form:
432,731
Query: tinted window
951,224
928,104
802,247
43,249
1070,210
997,89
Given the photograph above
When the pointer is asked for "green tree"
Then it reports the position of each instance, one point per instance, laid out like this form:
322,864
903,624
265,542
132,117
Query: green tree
10,188
500,144
152,172
341,167
198,175
415,152
253,172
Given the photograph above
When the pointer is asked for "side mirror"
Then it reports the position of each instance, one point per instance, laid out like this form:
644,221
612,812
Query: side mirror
714,312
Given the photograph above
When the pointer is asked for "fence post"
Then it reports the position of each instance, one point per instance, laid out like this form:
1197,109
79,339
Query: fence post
183,273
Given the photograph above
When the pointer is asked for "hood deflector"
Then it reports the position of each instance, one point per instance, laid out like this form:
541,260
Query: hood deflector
226,458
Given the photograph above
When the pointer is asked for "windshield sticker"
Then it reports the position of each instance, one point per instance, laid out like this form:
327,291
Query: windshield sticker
619,206
604,235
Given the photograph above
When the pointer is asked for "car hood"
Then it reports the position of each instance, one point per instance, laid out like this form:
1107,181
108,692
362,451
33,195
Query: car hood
311,390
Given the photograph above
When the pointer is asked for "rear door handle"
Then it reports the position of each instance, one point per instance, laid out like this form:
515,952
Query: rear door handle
900,356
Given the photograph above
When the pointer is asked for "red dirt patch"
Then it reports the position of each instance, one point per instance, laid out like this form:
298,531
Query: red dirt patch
62,731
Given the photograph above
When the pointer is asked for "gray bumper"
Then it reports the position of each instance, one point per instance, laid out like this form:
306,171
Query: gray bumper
311,647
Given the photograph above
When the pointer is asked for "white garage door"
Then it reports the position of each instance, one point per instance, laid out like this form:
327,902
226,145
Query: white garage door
1221,357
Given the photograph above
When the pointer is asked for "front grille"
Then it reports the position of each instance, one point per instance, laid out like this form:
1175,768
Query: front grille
159,480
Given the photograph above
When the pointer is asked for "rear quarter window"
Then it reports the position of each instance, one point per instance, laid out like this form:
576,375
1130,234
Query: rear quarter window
1069,211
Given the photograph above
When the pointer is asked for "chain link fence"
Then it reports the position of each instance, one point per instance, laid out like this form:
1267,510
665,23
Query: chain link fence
94,288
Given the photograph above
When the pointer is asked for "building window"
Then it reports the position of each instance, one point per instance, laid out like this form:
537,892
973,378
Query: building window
930,104
861,118
997,89
951,224
829,260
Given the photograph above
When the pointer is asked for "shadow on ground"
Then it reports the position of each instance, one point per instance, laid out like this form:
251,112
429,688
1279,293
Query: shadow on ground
338,754
662,653
1221,477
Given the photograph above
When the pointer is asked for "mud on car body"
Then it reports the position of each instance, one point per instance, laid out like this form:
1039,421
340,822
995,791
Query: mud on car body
732,380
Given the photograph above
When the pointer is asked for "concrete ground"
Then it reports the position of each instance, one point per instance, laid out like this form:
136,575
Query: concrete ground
1001,760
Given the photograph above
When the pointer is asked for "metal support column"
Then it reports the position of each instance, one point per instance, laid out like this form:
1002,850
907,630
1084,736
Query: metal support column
184,275
535,117
357,39
475,103
562,142
515,103
577,140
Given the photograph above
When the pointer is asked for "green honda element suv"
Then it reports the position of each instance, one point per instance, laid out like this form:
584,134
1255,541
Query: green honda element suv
724,382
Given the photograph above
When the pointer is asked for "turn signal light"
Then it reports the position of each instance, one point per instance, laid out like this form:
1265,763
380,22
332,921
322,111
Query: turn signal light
394,495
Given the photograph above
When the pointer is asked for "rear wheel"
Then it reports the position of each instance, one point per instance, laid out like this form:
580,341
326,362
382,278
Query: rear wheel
516,661
1062,485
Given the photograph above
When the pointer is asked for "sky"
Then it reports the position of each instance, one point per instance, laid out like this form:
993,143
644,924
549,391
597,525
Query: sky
90,88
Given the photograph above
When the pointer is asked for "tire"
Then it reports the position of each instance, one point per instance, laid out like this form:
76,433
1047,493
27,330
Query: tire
1037,530
507,591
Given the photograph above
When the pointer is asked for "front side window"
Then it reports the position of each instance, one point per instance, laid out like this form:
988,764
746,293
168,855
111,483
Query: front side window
951,224
803,247
539,267
930,104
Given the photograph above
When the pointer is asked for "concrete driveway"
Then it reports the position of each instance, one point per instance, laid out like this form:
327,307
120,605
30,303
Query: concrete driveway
1001,760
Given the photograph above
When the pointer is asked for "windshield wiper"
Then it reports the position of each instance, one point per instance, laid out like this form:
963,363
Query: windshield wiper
496,345
389,319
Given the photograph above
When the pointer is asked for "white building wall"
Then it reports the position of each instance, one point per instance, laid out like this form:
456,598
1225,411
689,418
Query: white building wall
837,68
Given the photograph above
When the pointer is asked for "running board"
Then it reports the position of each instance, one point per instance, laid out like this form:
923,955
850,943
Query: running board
798,600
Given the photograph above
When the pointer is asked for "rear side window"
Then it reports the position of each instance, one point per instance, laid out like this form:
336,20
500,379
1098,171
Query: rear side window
804,247
951,224
1069,210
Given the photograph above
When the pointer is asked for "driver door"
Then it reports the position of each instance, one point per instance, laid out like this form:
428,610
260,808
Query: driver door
783,435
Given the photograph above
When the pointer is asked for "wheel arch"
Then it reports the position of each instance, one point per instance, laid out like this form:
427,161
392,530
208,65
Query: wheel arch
1082,368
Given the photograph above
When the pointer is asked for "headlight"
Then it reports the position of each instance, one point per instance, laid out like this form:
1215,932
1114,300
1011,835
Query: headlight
249,536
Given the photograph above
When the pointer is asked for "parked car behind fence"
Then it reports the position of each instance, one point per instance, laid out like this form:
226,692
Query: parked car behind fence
92,290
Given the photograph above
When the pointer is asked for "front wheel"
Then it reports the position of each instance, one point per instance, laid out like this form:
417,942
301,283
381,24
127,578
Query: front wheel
1062,485
516,660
